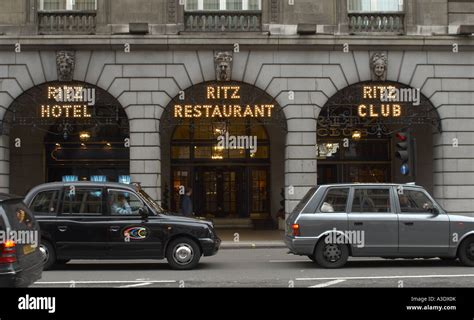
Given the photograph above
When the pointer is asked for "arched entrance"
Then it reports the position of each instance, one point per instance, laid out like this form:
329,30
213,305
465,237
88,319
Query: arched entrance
61,131
225,141
357,131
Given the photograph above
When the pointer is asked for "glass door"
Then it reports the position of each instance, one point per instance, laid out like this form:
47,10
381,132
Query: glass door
260,191
229,192
218,192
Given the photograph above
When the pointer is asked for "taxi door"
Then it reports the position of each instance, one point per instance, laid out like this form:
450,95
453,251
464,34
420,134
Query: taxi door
130,236
81,225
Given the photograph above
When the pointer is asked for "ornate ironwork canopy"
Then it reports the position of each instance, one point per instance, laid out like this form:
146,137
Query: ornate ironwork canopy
26,111
342,111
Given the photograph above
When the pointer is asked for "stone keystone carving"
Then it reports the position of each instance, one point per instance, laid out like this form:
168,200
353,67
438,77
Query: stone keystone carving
378,65
65,62
223,65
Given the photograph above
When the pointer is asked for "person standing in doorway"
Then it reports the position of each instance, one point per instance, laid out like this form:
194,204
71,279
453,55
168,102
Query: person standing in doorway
187,203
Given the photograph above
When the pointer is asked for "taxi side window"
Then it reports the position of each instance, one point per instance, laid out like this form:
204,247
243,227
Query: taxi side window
414,201
78,201
121,202
371,200
335,200
45,202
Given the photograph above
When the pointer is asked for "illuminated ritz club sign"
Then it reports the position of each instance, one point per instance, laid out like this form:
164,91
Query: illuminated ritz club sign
231,110
382,94
68,102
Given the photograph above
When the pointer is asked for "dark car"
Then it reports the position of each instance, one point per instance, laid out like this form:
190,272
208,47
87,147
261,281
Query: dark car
87,220
21,262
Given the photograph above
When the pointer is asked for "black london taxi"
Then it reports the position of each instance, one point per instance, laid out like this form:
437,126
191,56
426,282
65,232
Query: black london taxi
101,220
21,263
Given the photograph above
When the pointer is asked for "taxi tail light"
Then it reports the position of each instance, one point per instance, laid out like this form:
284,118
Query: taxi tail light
295,229
7,252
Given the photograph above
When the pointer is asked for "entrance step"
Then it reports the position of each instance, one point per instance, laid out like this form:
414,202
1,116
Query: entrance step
232,223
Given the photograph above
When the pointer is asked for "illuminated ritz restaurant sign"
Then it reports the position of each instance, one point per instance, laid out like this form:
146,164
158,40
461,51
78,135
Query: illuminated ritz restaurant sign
68,102
222,102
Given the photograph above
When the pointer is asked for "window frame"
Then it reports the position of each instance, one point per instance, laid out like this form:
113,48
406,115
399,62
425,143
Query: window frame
222,6
391,198
426,193
402,10
195,143
69,6
320,201
72,214
58,202
109,211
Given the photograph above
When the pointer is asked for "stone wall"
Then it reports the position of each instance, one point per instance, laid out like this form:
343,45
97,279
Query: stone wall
144,83
460,12
166,16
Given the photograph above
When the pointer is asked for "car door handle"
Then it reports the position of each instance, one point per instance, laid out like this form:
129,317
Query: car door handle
62,228
358,223
408,223
114,228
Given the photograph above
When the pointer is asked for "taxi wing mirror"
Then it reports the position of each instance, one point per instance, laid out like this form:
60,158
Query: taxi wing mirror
431,208
143,212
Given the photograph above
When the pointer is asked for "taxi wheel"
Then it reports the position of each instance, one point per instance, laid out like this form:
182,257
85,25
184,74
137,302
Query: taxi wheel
183,254
331,255
49,256
466,252
312,258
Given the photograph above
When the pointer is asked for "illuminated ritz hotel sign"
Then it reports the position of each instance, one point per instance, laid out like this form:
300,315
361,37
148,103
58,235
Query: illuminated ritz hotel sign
231,110
68,102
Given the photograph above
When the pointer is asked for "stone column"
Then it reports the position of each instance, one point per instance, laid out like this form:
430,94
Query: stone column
300,162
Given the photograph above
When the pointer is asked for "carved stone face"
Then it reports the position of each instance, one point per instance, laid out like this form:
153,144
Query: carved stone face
379,69
223,63
223,71
378,65
65,63
65,68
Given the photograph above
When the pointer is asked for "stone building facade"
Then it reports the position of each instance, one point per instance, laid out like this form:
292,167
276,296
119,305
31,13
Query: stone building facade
301,53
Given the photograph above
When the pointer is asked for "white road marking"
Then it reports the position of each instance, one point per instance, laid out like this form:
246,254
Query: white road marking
104,282
327,284
136,285
389,277
281,261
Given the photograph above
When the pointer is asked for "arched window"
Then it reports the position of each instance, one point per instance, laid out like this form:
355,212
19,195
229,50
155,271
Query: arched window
84,141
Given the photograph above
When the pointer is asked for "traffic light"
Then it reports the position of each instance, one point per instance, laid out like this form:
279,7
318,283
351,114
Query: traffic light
405,152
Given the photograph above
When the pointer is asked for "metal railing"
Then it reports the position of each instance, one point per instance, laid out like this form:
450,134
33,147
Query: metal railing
377,22
220,21
67,22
